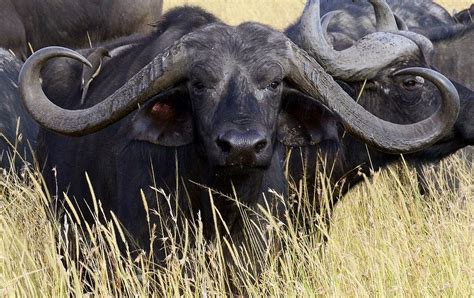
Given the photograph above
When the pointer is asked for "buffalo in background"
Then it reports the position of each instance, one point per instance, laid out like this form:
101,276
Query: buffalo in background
17,129
419,15
215,105
348,22
399,99
72,23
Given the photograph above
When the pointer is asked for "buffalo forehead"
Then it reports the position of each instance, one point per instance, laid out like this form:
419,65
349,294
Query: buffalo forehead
249,44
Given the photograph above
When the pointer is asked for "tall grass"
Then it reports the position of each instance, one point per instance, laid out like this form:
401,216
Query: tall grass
385,239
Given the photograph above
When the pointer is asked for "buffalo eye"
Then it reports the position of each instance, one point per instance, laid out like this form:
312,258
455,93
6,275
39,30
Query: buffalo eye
274,85
413,83
199,87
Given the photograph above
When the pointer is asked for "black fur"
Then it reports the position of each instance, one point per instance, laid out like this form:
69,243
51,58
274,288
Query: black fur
13,116
452,56
71,23
235,87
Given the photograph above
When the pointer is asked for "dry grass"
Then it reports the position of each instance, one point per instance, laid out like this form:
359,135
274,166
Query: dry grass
277,13
385,240
455,4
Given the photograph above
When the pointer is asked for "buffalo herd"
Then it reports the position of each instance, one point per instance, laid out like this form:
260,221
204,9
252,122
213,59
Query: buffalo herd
182,104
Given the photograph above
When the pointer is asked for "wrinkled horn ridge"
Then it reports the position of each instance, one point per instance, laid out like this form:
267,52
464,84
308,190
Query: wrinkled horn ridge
386,20
157,76
383,135
424,44
361,61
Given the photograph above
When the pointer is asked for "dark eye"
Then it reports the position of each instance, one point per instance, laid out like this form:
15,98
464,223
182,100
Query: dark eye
274,85
199,86
410,83
413,83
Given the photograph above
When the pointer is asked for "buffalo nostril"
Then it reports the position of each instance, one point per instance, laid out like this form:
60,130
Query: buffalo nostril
225,145
241,146
260,146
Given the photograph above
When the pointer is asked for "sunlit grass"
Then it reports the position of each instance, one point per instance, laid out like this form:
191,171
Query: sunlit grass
385,239
277,13
455,4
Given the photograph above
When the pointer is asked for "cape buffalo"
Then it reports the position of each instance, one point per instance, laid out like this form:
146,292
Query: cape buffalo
359,18
348,22
72,23
212,104
399,99
17,129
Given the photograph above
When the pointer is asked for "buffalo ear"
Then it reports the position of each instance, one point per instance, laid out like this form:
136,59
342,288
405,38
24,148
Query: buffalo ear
305,122
166,120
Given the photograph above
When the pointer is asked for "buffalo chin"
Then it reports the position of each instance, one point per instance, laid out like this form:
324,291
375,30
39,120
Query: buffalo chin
239,170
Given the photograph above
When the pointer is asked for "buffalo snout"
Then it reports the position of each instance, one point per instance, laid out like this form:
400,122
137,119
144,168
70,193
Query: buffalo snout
244,148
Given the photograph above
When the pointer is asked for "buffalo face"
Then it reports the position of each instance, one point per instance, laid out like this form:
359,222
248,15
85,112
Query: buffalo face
236,109
402,99
234,104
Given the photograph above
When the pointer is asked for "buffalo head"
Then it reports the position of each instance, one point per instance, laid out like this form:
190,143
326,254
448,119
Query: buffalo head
390,79
234,78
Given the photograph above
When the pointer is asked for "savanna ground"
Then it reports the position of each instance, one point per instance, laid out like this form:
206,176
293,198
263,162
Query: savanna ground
385,238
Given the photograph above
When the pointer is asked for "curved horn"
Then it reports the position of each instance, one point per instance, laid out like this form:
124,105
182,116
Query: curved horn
384,18
325,21
401,25
361,61
327,18
424,44
383,135
164,70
